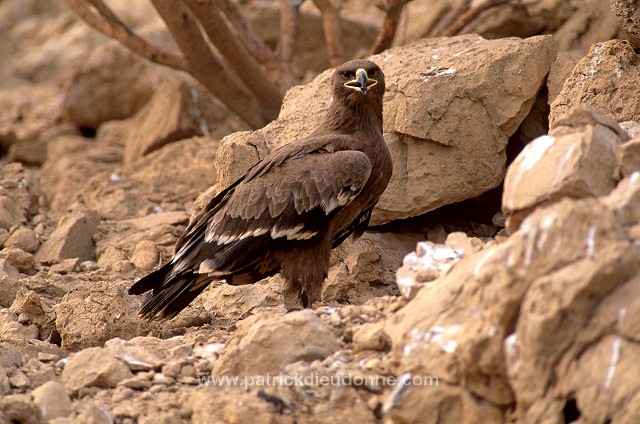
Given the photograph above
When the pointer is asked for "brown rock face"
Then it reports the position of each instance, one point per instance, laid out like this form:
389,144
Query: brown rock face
606,78
446,149
577,159
176,111
93,367
72,239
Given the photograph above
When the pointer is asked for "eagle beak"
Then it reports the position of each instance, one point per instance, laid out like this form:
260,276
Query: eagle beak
361,83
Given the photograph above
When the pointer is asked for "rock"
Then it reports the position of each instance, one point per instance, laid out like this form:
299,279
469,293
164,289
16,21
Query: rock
263,344
545,284
63,176
111,259
89,315
146,255
628,156
235,302
9,284
65,266
19,380
73,238
20,409
9,356
5,384
626,12
93,413
93,367
371,337
605,79
560,70
158,219
11,214
19,259
121,83
580,149
22,186
141,353
428,262
464,127
15,332
52,400
23,238
366,268
176,111
29,305
590,22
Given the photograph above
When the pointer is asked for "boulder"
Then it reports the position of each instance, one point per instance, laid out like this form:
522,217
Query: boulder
445,150
628,156
92,313
19,259
120,84
177,110
93,367
580,149
262,345
606,78
23,238
522,324
73,238
52,400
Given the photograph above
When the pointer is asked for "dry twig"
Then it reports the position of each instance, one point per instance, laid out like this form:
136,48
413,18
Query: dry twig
332,31
387,32
289,28
104,20
469,16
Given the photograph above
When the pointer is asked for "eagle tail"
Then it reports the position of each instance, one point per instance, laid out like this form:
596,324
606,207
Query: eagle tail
171,292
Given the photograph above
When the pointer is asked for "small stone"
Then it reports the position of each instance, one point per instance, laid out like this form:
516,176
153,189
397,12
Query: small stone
18,334
371,337
172,369
23,238
634,232
52,400
93,367
437,235
19,380
109,257
20,409
9,283
47,357
628,156
11,214
146,255
19,259
136,383
93,413
5,384
73,238
65,266
86,266
162,379
188,371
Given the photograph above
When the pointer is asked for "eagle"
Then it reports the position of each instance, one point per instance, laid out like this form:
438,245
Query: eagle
290,209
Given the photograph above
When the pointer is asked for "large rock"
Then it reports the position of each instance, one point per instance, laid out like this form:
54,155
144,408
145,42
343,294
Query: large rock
606,78
73,238
94,312
580,151
262,345
93,367
522,325
52,400
120,83
446,149
177,110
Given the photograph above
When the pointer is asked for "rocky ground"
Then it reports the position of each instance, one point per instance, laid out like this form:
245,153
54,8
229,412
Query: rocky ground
497,285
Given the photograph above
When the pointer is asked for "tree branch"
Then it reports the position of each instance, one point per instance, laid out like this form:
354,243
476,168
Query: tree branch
332,31
289,28
387,32
104,20
235,53
469,16
275,67
205,65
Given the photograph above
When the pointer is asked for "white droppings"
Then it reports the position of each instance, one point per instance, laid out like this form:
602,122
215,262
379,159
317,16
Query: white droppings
443,337
615,351
427,259
591,241
592,68
565,158
115,177
158,209
132,360
397,391
510,344
209,350
533,152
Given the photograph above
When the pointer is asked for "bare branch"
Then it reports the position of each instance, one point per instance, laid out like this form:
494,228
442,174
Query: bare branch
448,18
387,32
289,28
275,67
205,65
252,73
104,20
332,31
469,16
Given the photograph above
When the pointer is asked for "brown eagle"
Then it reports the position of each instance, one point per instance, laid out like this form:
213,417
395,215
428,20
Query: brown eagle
290,209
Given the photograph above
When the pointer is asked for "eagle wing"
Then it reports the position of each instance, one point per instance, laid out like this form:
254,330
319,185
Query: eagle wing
289,197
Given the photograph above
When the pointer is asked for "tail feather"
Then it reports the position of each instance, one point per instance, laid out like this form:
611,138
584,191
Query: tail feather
171,292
